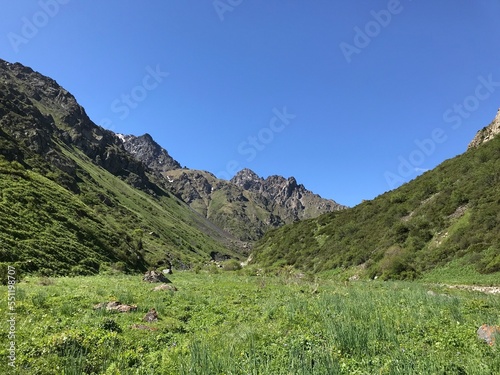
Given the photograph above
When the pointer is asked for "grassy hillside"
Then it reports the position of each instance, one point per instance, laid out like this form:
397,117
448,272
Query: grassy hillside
51,230
235,324
73,201
451,213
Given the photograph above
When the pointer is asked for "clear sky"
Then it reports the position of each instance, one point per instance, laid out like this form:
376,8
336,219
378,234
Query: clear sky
351,97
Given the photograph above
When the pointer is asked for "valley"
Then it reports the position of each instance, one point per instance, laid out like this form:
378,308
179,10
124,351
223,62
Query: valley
268,277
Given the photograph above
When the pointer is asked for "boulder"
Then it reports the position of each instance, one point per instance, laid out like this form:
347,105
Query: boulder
151,316
488,333
115,306
155,277
164,287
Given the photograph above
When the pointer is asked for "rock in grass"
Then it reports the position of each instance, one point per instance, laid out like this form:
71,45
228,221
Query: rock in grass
488,333
151,316
115,306
155,277
164,287
144,327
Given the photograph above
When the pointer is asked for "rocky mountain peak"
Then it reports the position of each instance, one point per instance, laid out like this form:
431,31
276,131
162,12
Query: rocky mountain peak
145,149
487,133
248,180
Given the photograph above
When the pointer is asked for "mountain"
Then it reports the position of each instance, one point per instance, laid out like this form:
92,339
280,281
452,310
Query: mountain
74,200
77,198
246,206
448,215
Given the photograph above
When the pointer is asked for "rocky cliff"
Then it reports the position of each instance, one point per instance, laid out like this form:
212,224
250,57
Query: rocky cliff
145,149
487,133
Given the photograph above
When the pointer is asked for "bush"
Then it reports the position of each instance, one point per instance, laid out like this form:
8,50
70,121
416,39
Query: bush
231,265
110,325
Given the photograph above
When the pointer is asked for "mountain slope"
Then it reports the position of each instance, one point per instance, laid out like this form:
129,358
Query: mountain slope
451,213
73,200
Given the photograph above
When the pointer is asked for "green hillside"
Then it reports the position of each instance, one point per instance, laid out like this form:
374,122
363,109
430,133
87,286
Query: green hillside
73,201
451,213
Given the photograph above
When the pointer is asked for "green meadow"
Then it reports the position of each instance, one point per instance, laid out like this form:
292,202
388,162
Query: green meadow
245,322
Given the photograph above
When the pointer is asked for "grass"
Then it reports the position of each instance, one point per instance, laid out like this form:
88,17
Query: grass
233,323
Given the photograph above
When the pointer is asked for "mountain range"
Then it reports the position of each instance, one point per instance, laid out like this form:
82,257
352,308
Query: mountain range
76,198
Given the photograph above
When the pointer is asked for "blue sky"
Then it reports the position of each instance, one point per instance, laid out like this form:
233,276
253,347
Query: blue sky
352,98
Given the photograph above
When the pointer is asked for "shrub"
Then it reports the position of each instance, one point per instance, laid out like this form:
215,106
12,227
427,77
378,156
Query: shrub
110,325
231,265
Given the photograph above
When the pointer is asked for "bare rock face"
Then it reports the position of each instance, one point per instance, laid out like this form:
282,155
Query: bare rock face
487,133
146,150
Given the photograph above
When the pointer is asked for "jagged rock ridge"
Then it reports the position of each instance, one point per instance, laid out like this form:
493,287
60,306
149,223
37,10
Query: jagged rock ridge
290,200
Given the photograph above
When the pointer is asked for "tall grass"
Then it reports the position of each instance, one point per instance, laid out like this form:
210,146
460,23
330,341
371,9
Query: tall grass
233,324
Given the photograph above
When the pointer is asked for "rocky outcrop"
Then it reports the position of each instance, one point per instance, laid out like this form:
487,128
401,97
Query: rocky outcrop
285,197
487,133
146,150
